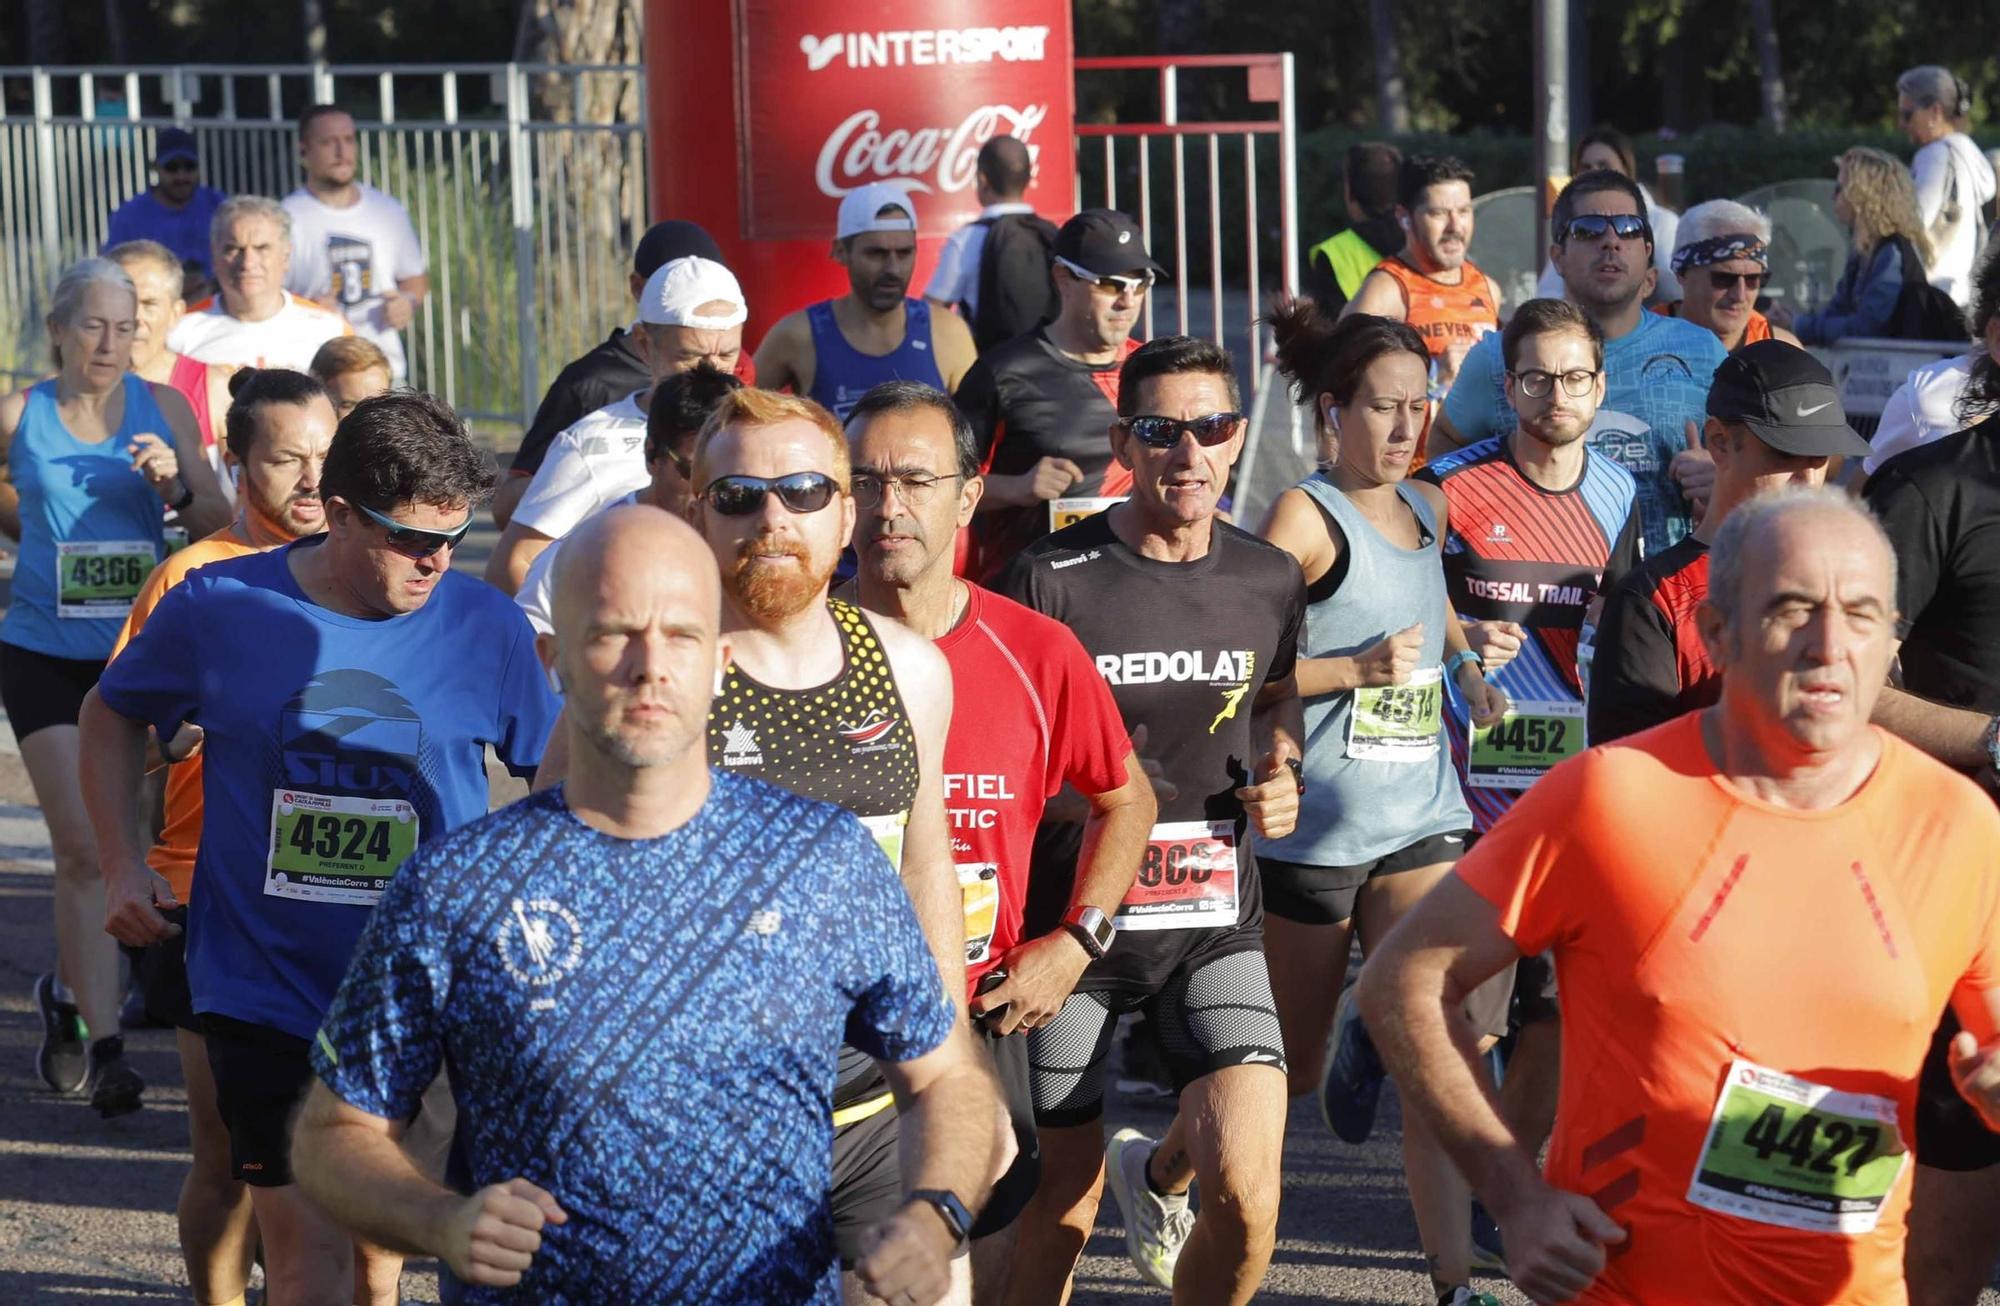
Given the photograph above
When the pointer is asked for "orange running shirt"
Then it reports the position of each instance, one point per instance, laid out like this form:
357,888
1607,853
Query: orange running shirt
180,836
1693,928
1444,315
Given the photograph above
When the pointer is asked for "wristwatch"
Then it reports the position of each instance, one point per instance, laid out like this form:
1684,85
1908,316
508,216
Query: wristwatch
187,497
1298,772
1990,741
1092,928
952,1211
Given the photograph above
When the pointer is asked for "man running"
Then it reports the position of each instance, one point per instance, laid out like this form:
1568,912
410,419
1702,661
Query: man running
1040,405
640,980
1656,369
1041,717
1758,911
347,686
1723,260
1774,419
1429,282
351,369
280,427
354,249
252,320
157,277
837,350
691,312
1195,625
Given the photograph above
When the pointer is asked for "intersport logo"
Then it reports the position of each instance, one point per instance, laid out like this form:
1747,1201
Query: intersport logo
924,160
925,47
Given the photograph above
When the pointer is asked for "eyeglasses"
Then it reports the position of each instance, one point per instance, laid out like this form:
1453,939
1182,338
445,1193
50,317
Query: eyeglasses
1165,432
915,491
414,543
1109,283
1535,383
801,492
1752,281
1594,226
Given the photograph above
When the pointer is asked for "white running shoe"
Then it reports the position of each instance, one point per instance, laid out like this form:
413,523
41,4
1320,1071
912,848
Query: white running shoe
1156,1227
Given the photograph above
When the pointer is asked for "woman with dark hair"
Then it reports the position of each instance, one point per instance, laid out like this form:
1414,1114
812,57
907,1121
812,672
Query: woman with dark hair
1382,819
1953,393
1606,149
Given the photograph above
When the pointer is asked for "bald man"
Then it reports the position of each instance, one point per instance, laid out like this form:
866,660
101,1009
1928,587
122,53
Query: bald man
641,978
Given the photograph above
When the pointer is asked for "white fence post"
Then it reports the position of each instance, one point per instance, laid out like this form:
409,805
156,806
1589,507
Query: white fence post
45,180
519,173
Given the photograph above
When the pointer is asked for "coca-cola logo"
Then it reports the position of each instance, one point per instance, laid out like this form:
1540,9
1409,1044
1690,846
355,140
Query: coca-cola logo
925,160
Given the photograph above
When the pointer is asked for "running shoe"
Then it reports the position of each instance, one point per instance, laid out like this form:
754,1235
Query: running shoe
1156,1227
1487,1253
114,1086
61,1060
1351,1087
1465,1296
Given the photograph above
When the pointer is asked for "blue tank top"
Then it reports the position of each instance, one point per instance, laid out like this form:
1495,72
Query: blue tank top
842,373
90,527
1379,774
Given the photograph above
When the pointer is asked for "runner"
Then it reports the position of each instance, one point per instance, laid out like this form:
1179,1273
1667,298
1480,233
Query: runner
651,915
1606,149
1648,663
1336,267
354,249
280,425
252,320
1429,282
1041,406
89,459
1656,369
1195,625
691,312
1758,911
1015,272
837,350
1382,819
1042,717
1723,261
348,730
680,405
156,276
174,212
352,369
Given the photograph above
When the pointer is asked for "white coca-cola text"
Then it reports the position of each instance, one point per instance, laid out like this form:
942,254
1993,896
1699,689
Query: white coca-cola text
924,159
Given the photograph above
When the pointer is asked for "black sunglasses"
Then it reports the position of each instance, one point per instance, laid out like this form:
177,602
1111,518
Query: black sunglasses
1593,226
411,542
1727,280
1165,432
801,492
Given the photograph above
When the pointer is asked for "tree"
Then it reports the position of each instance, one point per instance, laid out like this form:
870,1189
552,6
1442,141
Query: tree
1392,99
1770,69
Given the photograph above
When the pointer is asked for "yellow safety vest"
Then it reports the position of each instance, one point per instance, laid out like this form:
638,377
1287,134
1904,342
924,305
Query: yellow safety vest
1349,257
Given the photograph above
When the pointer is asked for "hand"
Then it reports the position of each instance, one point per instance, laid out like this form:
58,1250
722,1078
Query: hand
1164,790
397,310
1781,315
1449,363
185,744
1273,802
1496,642
1486,701
1694,470
906,1259
493,1235
1048,478
155,459
1393,660
133,900
1041,974
1555,1244
1976,1071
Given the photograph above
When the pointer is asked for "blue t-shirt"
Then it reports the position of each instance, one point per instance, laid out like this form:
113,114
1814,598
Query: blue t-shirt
647,1029
183,230
335,745
1656,378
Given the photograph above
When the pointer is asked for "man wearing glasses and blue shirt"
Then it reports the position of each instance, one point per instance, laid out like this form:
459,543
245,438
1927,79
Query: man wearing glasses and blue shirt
1656,369
346,688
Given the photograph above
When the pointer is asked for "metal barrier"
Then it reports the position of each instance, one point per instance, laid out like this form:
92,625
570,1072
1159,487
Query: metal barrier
527,217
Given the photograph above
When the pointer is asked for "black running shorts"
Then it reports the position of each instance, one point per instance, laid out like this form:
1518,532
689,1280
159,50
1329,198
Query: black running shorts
1324,895
160,970
261,1078
40,691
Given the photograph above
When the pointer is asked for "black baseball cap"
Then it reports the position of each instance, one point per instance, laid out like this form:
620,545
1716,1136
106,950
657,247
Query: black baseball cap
175,145
666,241
1106,242
1788,398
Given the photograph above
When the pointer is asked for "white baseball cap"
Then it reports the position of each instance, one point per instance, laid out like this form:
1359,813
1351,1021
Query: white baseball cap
676,291
859,207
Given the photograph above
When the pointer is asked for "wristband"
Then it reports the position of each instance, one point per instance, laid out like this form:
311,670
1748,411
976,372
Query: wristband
187,497
1459,659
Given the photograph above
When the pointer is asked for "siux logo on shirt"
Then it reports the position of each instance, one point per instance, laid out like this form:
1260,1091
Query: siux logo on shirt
1229,670
351,732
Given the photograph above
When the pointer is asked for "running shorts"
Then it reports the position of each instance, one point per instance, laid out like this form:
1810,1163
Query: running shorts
1324,895
261,1078
1950,1134
160,970
39,691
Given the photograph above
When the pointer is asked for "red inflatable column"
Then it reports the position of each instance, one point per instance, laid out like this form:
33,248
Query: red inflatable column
763,113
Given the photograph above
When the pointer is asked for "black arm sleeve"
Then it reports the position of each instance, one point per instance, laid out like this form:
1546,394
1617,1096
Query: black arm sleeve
1626,552
1635,680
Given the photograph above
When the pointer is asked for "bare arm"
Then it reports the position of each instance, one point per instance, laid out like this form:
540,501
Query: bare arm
210,510
217,381
11,408
416,289
955,350
929,875
111,768
1950,734
513,555
1379,295
555,756
1444,436
785,358
1278,723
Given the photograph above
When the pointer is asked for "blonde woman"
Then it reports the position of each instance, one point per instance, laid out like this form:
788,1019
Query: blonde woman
1876,201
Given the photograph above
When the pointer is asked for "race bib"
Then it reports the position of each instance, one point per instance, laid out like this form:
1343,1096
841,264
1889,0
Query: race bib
1068,512
980,883
100,578
326,848
888,832
1786,1151
1187,879
1398,723
1522,747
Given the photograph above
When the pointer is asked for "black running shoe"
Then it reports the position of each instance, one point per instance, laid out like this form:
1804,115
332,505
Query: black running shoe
114,1086
61,1060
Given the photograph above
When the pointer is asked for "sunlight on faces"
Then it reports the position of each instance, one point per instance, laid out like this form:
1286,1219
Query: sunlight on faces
1722,303
1178,486
252,258
1558,417
1379,428
670,350
349,388
1608,273
879,266
330,149
1441,226
160,306
894,541
96,344
378,577
1103,318
775,563
281,476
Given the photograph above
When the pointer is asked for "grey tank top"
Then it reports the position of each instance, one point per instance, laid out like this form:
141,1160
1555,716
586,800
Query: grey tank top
1377,781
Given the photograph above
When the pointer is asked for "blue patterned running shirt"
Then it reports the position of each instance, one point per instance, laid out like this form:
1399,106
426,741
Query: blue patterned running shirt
646,1029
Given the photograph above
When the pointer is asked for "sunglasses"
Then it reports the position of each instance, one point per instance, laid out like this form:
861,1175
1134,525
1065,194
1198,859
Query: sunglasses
801,492
1752,281
411,542
1165,432
1109,283
1594,226
179,165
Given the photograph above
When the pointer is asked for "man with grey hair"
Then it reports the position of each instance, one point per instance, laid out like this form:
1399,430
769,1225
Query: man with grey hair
253,321
1954,181
1723,260
1757,911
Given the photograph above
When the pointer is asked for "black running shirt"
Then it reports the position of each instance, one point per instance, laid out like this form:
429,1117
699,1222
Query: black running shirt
1185,648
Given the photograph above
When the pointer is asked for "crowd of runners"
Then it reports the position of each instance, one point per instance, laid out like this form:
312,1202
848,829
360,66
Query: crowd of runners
907,714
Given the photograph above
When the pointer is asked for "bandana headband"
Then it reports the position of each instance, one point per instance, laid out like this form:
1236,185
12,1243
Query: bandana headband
1717,249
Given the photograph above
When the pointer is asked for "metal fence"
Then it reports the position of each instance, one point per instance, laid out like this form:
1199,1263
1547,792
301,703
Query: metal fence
526,213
